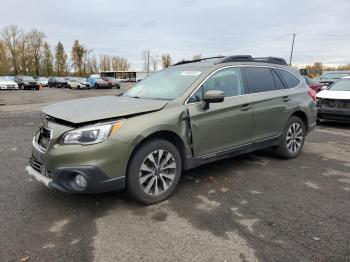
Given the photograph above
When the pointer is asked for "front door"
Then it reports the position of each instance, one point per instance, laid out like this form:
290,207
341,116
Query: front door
225,125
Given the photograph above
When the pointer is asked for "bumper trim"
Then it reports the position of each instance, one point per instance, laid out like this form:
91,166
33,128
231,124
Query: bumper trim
37,176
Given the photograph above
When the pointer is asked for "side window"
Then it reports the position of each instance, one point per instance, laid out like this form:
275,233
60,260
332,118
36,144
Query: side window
228,80
288,78
278,81
260,79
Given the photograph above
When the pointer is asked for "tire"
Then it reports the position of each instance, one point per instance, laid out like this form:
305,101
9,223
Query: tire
293,138
145,179
21,87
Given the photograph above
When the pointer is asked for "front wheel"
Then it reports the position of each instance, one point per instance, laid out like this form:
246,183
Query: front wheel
154,171
293,138
21,87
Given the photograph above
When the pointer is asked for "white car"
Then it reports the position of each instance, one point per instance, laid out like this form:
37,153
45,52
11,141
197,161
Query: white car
333,103
78,83
43,81
6,84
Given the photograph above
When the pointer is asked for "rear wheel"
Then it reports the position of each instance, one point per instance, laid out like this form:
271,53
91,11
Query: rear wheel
21,87
154,171
293,138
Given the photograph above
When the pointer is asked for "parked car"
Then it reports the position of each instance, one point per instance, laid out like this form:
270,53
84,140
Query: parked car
78,83
329,78
27,82
42,80
60,82
112,82
6,84
190,114
316,86
97,82
334,102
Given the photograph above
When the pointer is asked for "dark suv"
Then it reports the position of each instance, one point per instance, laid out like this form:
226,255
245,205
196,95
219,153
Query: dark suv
190,114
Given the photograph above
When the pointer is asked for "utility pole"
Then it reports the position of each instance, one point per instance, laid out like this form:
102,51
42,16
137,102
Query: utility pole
147,62
291,52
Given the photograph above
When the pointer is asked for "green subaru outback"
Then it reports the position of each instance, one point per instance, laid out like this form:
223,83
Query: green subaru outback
192,113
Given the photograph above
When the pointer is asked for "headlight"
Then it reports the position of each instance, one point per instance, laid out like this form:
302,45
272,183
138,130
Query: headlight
90,135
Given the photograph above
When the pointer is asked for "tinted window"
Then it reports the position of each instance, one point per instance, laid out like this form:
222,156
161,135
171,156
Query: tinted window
289,79
278,81
260,79
228,80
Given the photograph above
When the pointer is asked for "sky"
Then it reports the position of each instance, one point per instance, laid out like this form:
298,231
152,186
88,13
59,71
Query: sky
183,28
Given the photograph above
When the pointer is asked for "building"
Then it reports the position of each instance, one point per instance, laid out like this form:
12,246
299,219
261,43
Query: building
131,76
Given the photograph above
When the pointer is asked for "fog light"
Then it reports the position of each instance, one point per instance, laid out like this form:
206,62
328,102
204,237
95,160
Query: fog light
80,181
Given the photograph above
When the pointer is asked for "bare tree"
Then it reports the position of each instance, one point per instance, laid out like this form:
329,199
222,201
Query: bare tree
93,65
166,60
120,64
12,35
35,41
105,63
197,57
154,61
4,65
146,60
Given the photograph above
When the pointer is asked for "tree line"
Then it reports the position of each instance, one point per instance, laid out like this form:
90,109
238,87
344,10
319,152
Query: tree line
29,53
318,68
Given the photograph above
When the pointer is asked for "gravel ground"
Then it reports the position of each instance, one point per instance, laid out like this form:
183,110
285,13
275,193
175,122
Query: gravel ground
254,207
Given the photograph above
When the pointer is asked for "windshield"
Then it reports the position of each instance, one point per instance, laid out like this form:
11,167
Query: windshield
334,75
167,84
28,78
341,85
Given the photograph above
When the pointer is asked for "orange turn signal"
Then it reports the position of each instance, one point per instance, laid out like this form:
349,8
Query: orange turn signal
116,127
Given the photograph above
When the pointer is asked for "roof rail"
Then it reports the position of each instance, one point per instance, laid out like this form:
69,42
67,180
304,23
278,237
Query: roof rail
196,60
271,60
237,58
249,58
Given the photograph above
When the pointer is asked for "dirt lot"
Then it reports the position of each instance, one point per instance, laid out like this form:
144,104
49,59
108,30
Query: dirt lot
251,208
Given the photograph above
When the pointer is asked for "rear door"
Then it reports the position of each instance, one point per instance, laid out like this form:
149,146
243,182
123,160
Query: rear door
225,125
270,99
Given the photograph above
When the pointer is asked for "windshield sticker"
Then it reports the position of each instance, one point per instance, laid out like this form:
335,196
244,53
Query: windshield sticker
190,73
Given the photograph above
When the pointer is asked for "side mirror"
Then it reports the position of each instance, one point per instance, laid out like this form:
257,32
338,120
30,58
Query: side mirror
212,96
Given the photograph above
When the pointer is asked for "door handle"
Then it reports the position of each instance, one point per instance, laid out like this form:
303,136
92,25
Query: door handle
246,107
285,99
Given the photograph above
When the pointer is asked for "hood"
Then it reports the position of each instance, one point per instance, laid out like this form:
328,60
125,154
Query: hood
8,82
334,94
103,107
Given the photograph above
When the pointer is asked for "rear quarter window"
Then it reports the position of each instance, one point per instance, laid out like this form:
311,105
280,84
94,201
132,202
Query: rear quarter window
289,79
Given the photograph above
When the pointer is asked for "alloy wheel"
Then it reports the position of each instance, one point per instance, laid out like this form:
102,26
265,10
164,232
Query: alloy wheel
294,138
157,172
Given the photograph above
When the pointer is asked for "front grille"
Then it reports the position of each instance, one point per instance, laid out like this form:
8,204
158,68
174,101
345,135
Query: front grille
43,137
11,86
34,163
334,103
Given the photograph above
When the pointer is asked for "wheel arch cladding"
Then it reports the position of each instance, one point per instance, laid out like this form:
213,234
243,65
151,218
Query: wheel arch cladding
302,116
167,135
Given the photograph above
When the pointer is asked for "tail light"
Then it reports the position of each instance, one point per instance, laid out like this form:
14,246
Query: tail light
312,94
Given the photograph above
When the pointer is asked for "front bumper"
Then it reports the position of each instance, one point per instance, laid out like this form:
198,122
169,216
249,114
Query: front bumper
333,114
63,180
